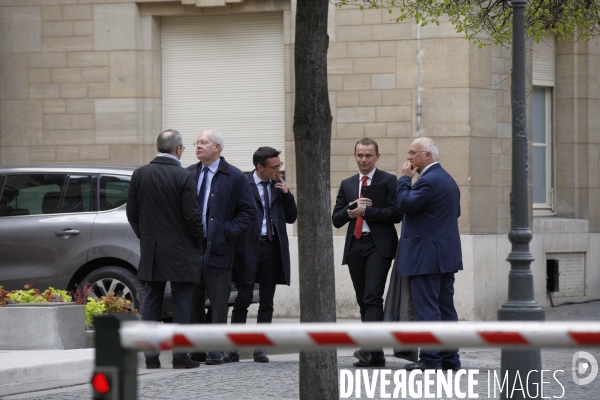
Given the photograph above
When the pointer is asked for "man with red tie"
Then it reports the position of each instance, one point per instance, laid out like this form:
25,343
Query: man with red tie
371,239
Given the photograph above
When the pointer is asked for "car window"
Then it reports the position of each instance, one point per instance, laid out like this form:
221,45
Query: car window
78,196
113,191
30,194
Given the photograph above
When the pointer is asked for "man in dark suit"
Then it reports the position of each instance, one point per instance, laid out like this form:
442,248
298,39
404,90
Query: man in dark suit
429,250
163,211
371,239
264,254
227,208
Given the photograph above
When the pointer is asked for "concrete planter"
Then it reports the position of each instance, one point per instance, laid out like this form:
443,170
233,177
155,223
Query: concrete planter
42,326
90,339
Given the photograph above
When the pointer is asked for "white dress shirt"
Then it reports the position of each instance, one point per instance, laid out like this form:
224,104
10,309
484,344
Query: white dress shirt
261,192
365,227
212,170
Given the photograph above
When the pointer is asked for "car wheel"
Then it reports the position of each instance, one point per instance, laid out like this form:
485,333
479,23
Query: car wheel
120,281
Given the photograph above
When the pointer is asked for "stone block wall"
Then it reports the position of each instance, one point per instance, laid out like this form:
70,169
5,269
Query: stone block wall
577,105
396,81
79,83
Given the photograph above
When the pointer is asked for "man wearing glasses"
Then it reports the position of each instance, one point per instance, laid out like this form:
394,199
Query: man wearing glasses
371,239
264,254
227,208
162,209
429,251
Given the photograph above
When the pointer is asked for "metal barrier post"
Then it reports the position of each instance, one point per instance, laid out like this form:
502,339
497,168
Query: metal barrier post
111,356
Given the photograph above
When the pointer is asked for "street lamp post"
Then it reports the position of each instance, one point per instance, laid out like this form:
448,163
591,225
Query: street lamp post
521,305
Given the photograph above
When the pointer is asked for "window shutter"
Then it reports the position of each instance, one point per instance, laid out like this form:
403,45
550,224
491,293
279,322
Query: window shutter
543,61
225,73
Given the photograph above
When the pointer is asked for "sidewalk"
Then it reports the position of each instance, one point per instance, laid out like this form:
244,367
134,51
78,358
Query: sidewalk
64,374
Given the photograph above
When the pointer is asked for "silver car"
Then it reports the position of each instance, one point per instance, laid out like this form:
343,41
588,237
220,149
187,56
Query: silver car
65,226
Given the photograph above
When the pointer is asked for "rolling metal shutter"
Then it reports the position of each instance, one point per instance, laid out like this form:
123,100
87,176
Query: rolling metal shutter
543,61
225,73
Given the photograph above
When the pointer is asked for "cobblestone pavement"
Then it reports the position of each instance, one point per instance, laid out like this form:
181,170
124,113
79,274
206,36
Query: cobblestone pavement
279,378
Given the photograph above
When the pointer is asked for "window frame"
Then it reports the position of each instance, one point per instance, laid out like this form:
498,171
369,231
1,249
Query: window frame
547,208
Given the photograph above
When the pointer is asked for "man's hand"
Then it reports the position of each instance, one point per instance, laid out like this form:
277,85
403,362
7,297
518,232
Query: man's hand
407,170
363,202
281,185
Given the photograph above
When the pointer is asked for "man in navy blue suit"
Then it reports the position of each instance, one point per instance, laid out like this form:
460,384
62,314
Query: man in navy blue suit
226,206
429,251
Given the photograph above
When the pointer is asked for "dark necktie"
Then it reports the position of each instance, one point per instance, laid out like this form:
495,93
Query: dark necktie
267,211
359,219
202,190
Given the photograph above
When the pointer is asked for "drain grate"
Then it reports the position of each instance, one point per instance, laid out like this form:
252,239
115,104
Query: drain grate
572,273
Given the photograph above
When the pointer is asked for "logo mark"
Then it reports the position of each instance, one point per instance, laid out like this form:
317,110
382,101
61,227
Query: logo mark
581,367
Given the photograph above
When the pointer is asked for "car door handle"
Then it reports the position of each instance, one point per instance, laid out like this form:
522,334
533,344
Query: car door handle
66,232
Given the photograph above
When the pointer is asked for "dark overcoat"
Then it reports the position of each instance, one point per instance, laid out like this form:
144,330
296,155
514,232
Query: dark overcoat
283,210
230,212
381,220
429,240
162,209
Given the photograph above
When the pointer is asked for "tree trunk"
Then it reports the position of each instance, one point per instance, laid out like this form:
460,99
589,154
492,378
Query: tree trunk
312,135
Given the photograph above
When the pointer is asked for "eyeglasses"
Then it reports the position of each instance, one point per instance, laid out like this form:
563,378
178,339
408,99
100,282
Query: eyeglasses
182,147
412,153
202,143
276,167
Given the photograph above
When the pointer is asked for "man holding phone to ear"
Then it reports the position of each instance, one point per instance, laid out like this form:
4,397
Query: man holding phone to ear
263,254
371,239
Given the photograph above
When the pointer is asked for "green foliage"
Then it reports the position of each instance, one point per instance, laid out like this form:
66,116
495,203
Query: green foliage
109,304
35,296
482,19
93,308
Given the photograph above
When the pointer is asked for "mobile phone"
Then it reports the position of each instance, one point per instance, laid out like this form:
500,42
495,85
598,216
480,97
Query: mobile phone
353,206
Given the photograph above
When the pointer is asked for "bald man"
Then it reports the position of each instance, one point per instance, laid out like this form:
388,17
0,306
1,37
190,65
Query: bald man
429,251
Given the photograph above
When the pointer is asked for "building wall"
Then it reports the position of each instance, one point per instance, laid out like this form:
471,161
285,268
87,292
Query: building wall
80,82
578,131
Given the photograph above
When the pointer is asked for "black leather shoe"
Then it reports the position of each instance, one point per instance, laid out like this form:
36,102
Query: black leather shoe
260,356
360,364
367,359
231,356
153,363
377,361
200,357
447,366
363,356
185,363
421,364
214,358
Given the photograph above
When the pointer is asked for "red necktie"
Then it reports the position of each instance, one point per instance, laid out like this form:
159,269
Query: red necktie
359,219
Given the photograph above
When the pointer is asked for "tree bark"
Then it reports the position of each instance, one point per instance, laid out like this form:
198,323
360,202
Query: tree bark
312,135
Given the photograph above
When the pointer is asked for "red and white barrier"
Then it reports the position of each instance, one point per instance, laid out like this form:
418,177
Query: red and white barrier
311,336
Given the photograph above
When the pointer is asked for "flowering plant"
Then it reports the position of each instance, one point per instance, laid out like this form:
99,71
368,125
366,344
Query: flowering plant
29,295
108,304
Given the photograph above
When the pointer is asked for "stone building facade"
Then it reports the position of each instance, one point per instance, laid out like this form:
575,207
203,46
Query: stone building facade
84,82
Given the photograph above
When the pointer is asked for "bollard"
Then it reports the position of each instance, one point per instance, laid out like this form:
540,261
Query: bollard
116,367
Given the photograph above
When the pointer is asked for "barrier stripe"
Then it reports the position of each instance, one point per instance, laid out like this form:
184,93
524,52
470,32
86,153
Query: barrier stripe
250,339
503,338
415,337
332,338
306,336
586,338
180,340
165,345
